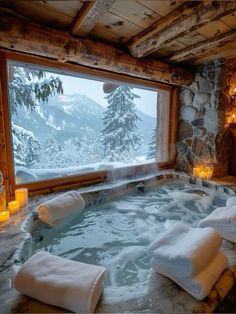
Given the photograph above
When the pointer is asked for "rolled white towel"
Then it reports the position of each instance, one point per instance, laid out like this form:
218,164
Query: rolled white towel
56,209
200,285
185,251
231,201
223,219
57,281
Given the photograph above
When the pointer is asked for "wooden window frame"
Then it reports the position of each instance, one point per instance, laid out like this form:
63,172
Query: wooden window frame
57,184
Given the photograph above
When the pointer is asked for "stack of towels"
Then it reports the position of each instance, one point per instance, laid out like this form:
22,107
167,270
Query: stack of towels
190,257
55,210
223,219
57,281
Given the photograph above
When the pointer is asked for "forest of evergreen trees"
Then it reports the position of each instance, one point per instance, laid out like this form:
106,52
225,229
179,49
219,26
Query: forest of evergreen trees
117,141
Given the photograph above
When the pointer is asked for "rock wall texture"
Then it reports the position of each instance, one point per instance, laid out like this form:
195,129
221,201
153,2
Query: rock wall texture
202,135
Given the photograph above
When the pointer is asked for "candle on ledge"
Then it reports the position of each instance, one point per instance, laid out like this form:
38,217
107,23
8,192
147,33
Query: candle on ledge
209,172
202,174
21,195
4,216
196,171
14,207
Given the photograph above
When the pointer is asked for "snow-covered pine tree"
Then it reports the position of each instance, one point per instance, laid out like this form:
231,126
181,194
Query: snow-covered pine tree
119,135
26,147
152,145
27,87
52,156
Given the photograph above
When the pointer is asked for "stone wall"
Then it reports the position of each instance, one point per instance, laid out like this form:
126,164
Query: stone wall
202,135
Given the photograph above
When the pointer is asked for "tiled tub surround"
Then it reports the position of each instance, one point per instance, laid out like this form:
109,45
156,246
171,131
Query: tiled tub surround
164,295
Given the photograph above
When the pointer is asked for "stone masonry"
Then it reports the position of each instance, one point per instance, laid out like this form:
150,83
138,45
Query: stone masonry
202,135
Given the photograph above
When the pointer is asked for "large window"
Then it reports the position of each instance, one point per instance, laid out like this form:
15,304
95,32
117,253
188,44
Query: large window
66,124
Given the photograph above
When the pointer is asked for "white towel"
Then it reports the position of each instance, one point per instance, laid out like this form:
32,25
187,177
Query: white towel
56,209
223,219
200,285
57,281
231,201
185,251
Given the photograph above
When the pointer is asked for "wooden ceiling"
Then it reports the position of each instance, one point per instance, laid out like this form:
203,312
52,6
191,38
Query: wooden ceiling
179,32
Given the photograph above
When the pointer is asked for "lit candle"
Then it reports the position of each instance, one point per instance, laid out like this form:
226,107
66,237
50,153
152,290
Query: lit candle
209,172
14,207
202,174
4,216
21,195
233,117
196,171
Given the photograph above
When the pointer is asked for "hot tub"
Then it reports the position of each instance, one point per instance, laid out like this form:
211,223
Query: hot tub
114,230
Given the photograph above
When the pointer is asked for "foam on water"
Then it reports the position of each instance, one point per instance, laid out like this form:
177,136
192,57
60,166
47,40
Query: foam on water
117,234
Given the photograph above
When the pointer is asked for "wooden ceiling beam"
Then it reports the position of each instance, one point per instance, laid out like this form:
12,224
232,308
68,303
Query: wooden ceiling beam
18,35
187,18
88,15
202,47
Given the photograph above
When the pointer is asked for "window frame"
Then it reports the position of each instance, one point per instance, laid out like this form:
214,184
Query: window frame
57,184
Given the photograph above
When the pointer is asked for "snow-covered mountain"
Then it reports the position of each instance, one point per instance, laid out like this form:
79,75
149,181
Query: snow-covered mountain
66,116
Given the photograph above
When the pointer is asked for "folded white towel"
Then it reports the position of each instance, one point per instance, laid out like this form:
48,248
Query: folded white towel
56,209
200,285
185,251
223,219
57,281
231,201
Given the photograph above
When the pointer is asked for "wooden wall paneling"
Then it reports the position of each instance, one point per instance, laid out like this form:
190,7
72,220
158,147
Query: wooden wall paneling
68,7
174,46
228,51
88,15
189,17
118,25
216,43
191,38
135,12
61,46
161,7
106,35
173,123
213,29
43,14
5,155
229,20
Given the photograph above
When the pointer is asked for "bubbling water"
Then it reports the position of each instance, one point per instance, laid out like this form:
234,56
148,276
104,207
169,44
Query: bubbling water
116,234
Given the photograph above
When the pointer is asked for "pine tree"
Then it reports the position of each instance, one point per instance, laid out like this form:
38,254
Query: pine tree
52,156
29,86
119,135
26,147
152,145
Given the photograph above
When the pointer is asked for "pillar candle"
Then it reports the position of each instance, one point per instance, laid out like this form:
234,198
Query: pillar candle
21,195
196,171
14,207
4,216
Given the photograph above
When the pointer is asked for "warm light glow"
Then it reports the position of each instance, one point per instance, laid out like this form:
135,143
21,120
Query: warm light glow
203,172
196,171
4,216
14,207
21,195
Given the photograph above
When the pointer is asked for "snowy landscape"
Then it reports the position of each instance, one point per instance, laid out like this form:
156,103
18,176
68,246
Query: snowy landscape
74,133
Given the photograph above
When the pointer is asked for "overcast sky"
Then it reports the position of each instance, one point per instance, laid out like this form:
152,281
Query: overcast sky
94,90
